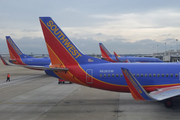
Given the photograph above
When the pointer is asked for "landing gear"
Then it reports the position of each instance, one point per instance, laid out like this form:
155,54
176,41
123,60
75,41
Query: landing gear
168,103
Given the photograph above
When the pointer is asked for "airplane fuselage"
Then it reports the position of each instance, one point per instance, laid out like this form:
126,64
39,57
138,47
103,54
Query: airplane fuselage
108,76
32,61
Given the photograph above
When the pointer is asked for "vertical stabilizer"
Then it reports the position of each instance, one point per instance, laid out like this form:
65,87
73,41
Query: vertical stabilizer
62,50
14,51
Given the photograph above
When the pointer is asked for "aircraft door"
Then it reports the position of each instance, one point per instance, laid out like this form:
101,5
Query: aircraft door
89,76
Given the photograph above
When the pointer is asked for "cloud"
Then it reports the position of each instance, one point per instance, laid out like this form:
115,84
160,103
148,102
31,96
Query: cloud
89,45
124,26
27,45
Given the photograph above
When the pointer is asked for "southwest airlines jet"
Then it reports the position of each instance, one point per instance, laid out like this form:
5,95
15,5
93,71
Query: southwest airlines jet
106,55
19,58
148,81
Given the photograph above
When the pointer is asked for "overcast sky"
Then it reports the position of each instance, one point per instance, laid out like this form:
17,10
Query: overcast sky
124,26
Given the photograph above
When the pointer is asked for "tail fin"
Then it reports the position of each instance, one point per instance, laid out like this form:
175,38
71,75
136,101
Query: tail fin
105,53
115,54
14,51
135,87
61,49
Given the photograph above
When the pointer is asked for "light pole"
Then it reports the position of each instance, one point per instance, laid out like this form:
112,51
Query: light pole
177,45
165,47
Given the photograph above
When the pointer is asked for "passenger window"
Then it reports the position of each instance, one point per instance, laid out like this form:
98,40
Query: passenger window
176,75
162,75
104,75
167,75
100,75
134,75
121,75
112,75
150,75
158,75
117,75
154,75
171,75
145,75
141,75
108,75
137,75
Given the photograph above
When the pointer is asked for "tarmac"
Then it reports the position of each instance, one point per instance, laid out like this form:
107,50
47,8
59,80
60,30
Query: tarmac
32,95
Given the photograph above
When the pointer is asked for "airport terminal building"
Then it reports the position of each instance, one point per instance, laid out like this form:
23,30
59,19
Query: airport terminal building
168,56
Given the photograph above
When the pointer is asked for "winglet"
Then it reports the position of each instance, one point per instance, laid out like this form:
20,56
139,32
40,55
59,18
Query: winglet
4,62
135,87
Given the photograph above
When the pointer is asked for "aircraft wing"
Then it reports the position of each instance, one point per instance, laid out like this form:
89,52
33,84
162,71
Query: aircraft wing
34,67
165,93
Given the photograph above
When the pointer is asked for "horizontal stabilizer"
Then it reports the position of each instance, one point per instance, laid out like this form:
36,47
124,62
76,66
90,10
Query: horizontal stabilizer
43,68
35,67
4,61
